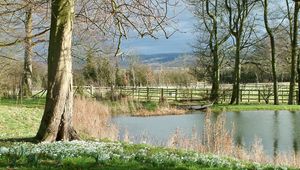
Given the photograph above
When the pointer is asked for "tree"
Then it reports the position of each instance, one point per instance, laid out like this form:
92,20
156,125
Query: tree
26,88
273,51
293,30
210,12
241,28
56,123
20,15
90,70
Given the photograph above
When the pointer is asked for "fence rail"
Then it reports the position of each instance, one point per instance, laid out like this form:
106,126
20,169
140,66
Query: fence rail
248,93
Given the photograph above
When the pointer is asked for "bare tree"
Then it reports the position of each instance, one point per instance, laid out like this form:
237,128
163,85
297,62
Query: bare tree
293,33
17,13
145,17
273,51
209,13
56,123
241,28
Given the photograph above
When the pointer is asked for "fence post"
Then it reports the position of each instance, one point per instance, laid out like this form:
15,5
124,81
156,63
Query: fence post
241,95
176,93
138,94
133,92
92,90
191,95
148,98
297,97
248,96
258,96
282,97
162,94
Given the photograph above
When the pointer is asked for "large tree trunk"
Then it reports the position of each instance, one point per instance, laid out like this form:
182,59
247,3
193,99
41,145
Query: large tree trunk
294,54
273,53
56,123
26,89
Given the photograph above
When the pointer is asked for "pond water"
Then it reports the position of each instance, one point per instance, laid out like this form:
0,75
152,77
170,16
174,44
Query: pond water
278,130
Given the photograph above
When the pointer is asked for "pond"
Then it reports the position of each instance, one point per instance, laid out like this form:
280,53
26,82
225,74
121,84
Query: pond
278,130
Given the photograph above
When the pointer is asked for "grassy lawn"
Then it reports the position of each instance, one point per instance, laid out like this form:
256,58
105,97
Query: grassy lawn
30,102
19,122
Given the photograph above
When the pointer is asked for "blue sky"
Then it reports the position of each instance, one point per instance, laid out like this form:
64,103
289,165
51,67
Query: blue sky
180,42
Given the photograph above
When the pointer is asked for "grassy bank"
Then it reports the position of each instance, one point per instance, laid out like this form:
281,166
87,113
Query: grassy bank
249,107
127,107
135,108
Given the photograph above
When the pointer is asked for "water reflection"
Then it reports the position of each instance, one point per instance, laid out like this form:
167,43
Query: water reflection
296,134
275,133
279,131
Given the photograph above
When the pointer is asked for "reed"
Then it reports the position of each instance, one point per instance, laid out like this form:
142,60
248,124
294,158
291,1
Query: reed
216,139
93,119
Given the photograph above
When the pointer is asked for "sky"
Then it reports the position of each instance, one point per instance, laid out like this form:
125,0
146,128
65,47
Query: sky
180,42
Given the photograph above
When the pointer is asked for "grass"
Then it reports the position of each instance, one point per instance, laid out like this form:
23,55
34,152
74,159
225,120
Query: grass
27,102
88,163
16,122
133,106
249,107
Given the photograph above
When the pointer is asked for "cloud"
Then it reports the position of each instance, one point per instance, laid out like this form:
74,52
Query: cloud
179,42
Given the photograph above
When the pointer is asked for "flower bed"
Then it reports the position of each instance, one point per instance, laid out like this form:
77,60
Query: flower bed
109,152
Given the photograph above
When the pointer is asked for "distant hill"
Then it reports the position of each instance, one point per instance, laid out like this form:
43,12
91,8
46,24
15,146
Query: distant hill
156,61
165,60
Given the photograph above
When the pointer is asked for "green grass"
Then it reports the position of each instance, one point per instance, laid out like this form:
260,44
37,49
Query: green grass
16,122
250,107
88,163
152,106
27,102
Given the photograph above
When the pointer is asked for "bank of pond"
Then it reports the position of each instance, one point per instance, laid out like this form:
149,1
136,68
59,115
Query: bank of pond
279,131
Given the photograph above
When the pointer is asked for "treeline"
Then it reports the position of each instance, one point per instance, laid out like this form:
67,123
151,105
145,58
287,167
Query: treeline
238,42
244,41
105,71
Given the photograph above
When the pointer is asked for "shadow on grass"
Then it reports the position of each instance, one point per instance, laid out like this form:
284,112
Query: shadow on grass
9,141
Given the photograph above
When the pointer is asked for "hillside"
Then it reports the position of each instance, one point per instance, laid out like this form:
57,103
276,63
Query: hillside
156,61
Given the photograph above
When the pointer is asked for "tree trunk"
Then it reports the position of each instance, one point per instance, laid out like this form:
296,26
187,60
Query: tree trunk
27,71
298,71
56,123
294,54
214,47
235,97
214,96
273,53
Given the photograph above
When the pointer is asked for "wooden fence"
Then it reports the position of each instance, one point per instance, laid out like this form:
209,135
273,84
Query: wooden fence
248,94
